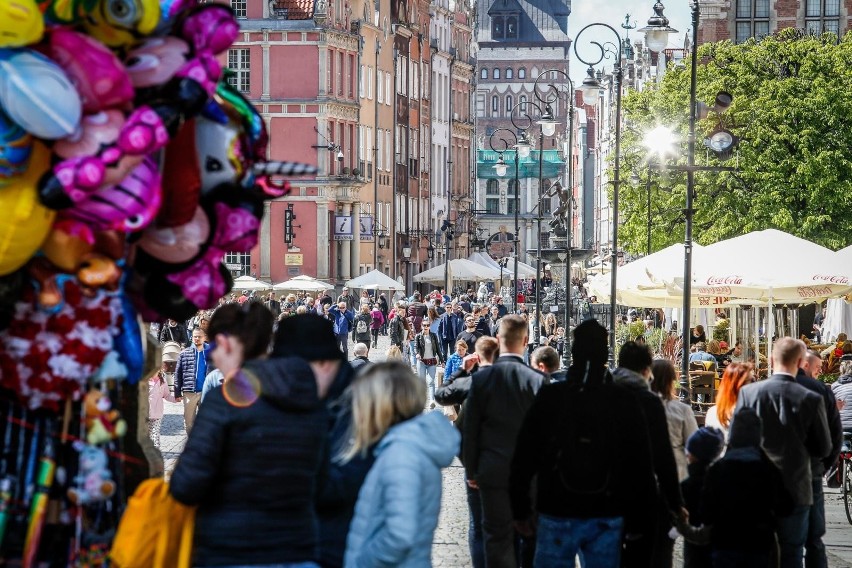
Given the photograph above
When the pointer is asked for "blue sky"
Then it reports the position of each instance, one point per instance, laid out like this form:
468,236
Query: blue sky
612,12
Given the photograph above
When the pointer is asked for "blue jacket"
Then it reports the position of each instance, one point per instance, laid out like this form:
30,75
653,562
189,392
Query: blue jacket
454,363
185,379
342,320
451,325
398,505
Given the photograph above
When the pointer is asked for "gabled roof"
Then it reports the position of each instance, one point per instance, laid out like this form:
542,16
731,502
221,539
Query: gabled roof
504,7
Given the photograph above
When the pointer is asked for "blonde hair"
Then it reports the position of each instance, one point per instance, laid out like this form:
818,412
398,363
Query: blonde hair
383,396
393,354
713,347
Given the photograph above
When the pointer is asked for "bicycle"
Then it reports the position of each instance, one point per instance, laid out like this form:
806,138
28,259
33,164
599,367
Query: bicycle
846,474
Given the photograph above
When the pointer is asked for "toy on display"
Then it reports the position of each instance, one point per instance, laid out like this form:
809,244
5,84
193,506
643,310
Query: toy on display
129,167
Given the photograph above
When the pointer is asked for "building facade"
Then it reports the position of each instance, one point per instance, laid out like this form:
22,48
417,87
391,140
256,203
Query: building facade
739,20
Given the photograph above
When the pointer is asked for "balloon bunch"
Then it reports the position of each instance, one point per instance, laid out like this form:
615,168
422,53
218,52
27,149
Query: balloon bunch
128,168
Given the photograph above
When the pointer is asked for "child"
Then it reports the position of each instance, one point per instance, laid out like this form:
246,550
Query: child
743,497
702,449
455,361
158,390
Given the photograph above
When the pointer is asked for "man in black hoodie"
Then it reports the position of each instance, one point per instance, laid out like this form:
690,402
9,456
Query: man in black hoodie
651,545
591,421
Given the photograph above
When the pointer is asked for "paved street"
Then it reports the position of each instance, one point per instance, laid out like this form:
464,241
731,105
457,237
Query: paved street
450,543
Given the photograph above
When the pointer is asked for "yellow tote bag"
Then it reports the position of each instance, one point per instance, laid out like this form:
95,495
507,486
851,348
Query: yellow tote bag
155,530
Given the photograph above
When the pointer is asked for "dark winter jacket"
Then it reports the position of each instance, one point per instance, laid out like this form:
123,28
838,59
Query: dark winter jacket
416,312
630,491
174,333
420,345
362,337
450,327
695,556
253,469
185,379
832,415
397,330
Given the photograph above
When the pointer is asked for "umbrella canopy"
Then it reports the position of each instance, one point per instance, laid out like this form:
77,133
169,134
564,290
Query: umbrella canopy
250,283
460,270
524,269
772,266
483,259
375,280
303,283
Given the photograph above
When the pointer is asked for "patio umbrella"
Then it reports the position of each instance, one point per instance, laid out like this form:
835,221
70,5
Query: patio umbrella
303,284
375,280
461,270
250,283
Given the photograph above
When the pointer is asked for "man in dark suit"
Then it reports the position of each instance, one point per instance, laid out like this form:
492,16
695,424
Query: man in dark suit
499,398
808,377
450,325
795,430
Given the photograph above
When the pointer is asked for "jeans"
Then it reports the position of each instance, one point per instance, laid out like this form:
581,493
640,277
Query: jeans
343,343
190,409
474,533
740,559
428,373
792,533
558,542
412,353
814,548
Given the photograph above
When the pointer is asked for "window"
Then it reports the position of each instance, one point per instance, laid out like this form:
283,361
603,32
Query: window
380,150
388,146
512,27
495,105
822,16
496,73
238,61
492,197
497,31
480,105
509,73
243,259
369,82
510,196
379,84
522,100
752,19
522,73
415,79
239,7
350,80
388,92
361,89
424,92
339,77
330,78
484,73
509,104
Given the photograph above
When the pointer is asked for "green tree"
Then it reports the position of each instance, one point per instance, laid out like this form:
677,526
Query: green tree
792,111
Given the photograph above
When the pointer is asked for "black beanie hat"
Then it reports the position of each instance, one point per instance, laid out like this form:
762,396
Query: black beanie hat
705,444
746,429
590,343
308,336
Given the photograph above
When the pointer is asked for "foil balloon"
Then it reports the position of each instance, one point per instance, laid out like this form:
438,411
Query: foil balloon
37,95
121,23
98,75
21,23
26,222
65,11
15,149
128,343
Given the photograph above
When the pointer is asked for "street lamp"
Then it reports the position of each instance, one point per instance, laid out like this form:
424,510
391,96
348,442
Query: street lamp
657,31
500,169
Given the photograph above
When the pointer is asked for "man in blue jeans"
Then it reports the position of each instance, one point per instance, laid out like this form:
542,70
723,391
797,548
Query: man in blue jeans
342,320
795,431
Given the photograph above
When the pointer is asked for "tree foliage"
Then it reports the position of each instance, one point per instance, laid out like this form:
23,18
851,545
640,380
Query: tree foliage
792,111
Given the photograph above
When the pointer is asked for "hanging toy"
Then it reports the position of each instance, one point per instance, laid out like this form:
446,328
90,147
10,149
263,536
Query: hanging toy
20,23
102,423
94,481
120,23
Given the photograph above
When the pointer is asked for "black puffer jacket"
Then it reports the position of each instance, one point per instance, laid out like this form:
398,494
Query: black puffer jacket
253,470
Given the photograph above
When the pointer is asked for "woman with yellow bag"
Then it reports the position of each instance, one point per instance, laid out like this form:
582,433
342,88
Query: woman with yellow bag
252,460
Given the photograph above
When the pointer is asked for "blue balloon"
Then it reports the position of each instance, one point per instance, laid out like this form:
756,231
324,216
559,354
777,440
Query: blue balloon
128,343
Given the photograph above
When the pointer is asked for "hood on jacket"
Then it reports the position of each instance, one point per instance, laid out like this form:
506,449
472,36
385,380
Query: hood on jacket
286,382
431,433
844,379
630,379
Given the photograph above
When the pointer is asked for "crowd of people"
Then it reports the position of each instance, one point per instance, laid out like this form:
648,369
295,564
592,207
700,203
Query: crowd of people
323,461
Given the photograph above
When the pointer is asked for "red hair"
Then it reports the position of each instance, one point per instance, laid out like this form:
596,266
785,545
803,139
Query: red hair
735,377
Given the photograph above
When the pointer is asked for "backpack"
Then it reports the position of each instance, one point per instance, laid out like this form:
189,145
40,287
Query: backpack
361,328
585,445
155,530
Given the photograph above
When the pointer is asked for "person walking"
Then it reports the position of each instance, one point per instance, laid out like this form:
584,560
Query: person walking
350,300
158,391
416,311
343,319
428,355
470,334
679,416
377,322
385,309
273,305
252,462
586,420
190,372
795,430
174,331
499,398
398,328
702,449
398,505
361,326
450,326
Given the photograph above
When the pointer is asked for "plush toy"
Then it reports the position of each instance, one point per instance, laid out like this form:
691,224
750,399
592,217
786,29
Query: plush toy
93,482
20,23
119,23
102,423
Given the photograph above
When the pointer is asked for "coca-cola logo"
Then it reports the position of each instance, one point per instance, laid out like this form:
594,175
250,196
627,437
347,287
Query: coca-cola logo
715,291
813,291
724,281
831,279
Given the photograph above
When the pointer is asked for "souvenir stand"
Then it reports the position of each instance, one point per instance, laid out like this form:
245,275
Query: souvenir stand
128,168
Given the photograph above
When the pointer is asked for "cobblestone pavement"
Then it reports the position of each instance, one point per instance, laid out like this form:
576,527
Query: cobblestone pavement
450,548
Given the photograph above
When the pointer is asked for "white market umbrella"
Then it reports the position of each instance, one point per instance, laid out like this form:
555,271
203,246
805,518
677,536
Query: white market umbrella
838,318
461,270
250,283
483,259
303,284
774,267
375,280
524,269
